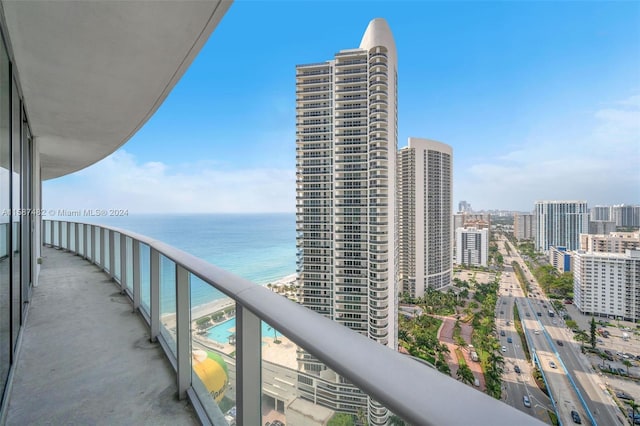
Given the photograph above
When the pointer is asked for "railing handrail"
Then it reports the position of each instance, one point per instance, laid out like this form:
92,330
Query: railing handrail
416,393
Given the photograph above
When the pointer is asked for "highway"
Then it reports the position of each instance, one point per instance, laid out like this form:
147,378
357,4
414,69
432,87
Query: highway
551,331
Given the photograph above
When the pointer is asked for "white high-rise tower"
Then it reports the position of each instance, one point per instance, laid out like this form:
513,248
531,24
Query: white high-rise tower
425,173
346,143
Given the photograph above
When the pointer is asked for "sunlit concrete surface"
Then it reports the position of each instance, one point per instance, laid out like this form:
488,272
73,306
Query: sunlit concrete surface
86,359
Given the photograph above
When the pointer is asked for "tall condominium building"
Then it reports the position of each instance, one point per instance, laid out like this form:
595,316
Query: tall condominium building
524,226
600,213
560,258
424,216
626,216
346,144
472,246
464,207
607,284
601,226
614,242
560,223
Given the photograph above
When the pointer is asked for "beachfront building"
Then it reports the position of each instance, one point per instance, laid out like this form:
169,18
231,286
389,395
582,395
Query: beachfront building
560,223
472,246
607,284
346,143
424,216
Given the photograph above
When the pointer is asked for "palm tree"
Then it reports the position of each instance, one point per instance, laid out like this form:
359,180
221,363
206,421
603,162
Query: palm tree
634,408
465,375
275,334
628,364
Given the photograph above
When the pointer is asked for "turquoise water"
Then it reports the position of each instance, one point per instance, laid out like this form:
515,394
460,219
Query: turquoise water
221,332
258,247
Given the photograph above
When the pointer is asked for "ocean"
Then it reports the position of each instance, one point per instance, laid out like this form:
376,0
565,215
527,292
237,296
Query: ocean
258,247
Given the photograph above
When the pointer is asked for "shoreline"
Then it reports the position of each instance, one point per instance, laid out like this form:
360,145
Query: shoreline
209,308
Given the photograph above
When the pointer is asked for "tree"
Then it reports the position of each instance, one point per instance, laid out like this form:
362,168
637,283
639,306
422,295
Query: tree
634,409
275,334
465,375
627,364
593,332
581,336
341,419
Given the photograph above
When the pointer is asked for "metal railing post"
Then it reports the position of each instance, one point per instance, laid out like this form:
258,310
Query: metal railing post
123,261
135,248
183,330
76,246
154,289
68,236
248,367
59,234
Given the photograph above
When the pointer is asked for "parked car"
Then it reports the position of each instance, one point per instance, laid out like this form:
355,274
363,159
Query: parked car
575,417
559,342
539,314
623,395
525,401
552,364
509,323
516,369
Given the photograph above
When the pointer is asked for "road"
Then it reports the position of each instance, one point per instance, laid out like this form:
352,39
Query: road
517,385
570,362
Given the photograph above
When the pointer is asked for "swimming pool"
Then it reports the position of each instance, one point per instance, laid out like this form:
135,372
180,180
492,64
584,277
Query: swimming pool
221,332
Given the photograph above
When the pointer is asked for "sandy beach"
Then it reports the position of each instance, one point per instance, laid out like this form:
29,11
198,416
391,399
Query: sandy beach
219,304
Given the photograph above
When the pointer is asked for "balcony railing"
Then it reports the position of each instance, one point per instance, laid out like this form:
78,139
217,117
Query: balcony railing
158,279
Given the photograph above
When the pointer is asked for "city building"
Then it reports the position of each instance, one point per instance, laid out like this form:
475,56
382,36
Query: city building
424,216
597,213
607,284
346,145
464,207
613,242
560,258
472,246
524,226
560,223
626,216
601,226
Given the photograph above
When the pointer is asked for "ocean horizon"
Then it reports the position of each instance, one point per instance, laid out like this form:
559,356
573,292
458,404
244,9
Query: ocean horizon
259,247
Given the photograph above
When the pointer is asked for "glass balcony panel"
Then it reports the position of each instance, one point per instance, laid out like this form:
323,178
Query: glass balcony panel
97,246
106,256
72,236
297,388
90,234
145,278
56,229
168,302
80,240
129,266
63,241
116,255
213,351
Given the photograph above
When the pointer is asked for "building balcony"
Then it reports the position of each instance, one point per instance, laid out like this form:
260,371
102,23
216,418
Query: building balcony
113,328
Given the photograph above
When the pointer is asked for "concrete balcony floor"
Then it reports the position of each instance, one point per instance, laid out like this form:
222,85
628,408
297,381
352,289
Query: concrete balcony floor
86,359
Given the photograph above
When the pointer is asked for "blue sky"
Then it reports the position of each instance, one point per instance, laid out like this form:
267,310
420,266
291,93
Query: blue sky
539,100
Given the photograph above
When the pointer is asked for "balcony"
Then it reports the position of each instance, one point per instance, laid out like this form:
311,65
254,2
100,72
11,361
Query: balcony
130,270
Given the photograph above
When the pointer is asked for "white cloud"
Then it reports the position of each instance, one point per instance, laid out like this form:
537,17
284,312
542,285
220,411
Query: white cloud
602,166
121,182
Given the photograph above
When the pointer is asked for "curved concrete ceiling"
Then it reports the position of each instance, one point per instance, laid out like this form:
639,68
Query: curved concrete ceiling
93,72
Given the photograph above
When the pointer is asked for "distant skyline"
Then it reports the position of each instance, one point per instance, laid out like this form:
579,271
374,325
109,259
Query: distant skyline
539,100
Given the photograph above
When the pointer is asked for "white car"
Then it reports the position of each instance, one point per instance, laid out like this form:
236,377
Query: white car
504,349
552,364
